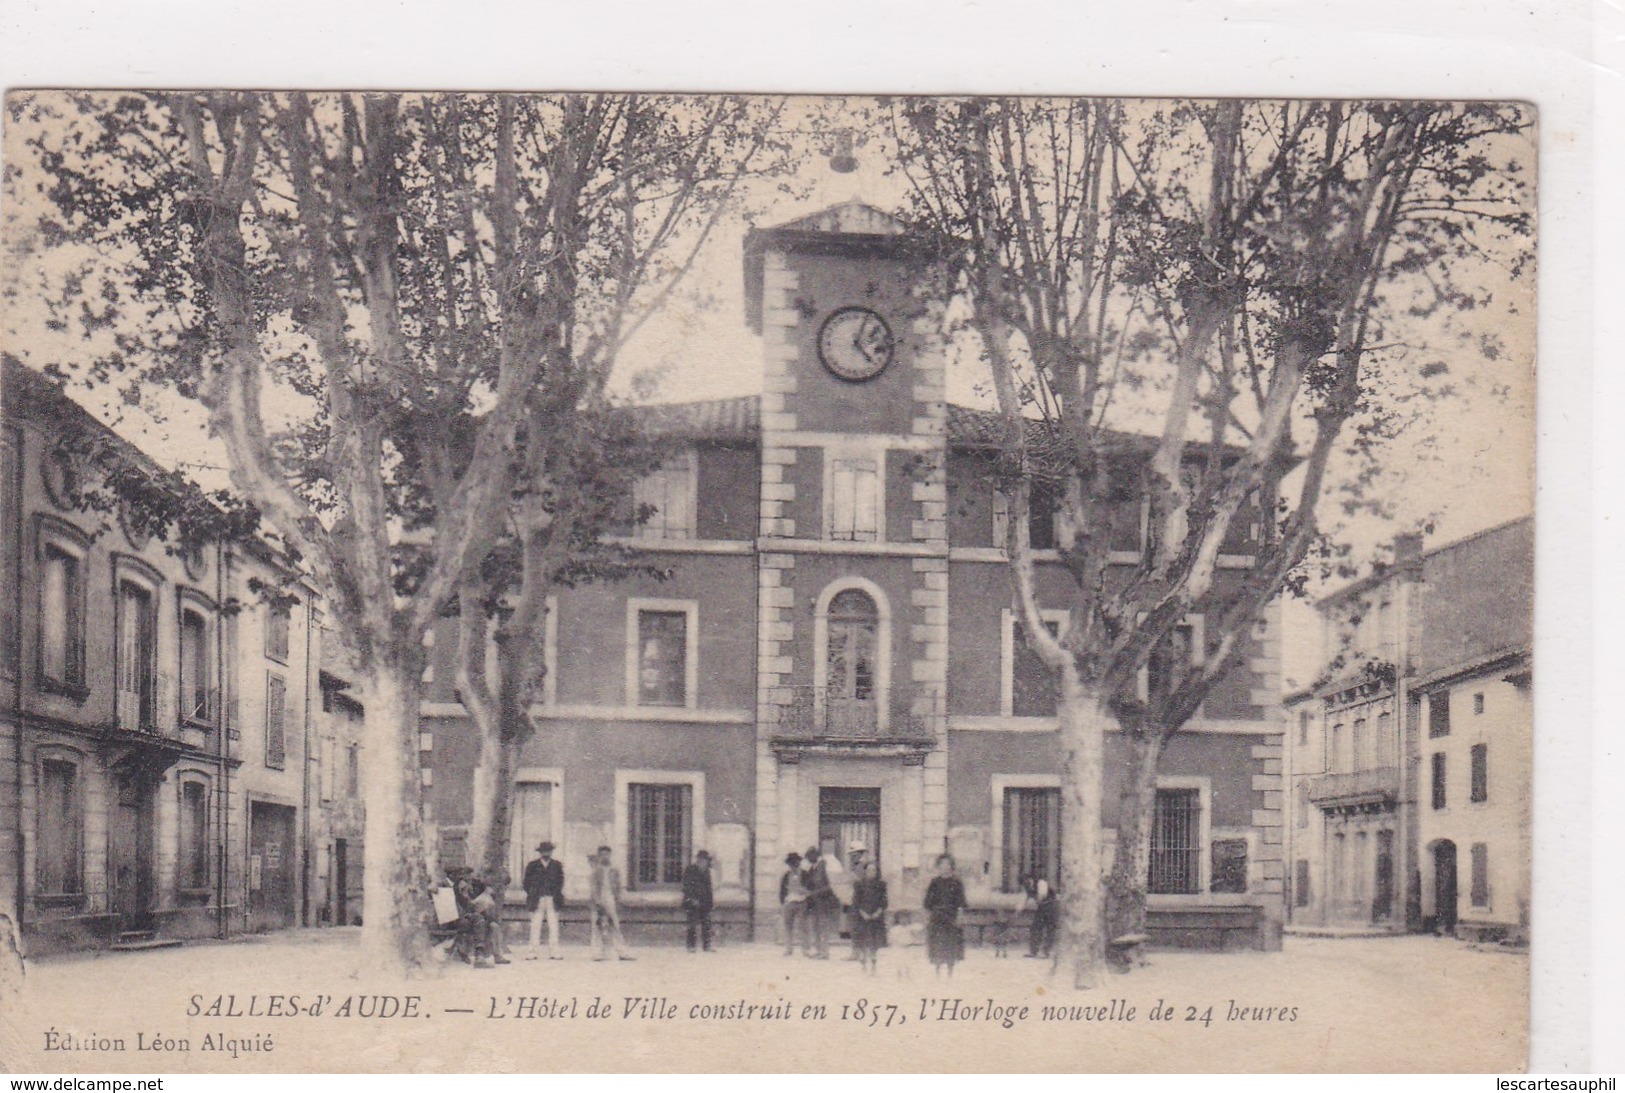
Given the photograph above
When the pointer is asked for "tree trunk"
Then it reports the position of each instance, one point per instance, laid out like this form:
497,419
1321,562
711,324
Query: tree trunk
1126,885
503,732
1080,947
395,927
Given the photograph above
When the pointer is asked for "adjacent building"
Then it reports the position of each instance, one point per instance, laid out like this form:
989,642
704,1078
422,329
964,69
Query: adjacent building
1410,760
156,707
833,658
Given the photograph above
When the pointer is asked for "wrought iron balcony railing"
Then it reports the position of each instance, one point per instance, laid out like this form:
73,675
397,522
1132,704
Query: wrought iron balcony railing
830,714
1378,785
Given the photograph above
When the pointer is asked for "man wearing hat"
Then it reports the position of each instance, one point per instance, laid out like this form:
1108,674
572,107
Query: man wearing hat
544,898
697,899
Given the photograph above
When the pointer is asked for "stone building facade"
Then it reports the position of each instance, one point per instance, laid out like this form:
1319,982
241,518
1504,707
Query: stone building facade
1411,759
155,709
833,657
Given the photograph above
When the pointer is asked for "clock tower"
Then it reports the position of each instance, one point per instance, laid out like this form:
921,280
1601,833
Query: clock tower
852,551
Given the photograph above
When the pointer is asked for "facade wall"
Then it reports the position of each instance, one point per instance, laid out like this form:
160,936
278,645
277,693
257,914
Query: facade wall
1450,626
126,807
1492,713
764,736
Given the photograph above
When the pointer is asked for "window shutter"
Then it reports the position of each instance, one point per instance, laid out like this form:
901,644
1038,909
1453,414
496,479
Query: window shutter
276,700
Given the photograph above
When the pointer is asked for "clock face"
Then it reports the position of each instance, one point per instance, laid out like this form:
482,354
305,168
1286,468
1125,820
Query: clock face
855,344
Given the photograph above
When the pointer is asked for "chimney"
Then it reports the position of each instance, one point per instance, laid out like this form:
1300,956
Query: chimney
1408,552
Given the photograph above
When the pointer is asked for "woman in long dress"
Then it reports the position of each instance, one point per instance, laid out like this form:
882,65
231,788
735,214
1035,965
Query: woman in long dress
944,899
869,916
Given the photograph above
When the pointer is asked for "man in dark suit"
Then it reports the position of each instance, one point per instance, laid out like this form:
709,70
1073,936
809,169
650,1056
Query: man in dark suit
697,899
544,898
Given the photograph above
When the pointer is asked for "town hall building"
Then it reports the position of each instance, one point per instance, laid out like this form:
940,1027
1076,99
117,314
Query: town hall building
833,658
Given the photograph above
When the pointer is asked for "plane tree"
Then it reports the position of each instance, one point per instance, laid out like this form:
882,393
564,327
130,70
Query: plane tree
1208,306
396,312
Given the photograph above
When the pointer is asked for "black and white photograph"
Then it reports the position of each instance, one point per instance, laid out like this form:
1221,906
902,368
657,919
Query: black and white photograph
935,582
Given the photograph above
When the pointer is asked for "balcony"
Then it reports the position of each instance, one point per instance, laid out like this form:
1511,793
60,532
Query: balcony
1369,790
826,719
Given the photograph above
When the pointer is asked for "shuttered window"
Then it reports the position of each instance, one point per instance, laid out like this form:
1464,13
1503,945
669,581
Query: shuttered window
1481,773
660,827
196,680
667,497
854,510
276,715
1481,875
1439,798
1439,714
136,634
276,631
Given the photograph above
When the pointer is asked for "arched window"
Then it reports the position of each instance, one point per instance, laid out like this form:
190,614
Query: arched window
854,632
853,674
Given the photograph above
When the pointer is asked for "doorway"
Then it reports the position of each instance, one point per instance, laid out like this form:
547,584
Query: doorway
130,850
848,815
1444,886
271,883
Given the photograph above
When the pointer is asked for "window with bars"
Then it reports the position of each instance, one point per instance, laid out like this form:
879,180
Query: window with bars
1176,849
668,496
276,716
194,836
1439,714
1480,856
1032,835
1480,756
854,500
196,677
137,682
60,826
277,619
660,827
1439,799
662,658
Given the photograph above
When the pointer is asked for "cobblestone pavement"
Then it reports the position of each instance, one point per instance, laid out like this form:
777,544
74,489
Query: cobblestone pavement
1382,1004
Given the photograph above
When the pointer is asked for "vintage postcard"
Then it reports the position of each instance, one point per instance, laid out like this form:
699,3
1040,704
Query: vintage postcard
765,583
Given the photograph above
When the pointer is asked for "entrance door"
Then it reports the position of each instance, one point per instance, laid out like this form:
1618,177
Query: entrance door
848,815
130,849
1382,908
271,887
1444,886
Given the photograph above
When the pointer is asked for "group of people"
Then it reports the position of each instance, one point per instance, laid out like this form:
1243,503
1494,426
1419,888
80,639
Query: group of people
810,904
478,934
812,909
